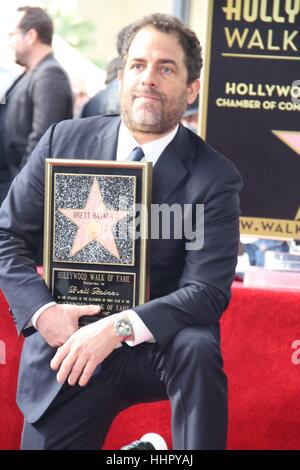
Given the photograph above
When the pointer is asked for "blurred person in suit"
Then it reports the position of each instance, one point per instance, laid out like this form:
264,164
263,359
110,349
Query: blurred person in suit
39,97
74,381
191,116
107,101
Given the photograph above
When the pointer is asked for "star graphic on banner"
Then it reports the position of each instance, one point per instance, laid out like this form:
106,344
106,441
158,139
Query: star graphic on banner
95,223
290,138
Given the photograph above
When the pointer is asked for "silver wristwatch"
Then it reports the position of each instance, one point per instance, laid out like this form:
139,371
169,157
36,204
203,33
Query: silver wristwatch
123,328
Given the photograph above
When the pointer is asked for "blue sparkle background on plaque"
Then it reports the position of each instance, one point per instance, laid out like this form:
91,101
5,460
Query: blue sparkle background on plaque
71,192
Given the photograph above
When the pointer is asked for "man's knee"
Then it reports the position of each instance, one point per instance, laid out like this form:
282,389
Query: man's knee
195,343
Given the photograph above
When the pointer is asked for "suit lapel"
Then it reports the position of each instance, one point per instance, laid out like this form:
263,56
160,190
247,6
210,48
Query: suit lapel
104,147
12,87
169,170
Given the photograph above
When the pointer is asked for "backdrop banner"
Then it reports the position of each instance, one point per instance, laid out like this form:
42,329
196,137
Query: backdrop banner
251,107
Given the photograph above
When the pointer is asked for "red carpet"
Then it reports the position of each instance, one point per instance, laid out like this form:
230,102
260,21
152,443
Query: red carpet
10,416
264,409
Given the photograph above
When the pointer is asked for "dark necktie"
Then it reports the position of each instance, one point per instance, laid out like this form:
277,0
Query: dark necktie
136,155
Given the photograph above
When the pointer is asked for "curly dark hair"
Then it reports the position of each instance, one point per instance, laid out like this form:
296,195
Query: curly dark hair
171,25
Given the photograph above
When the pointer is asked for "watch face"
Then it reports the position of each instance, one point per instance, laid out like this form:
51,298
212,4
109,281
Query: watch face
123,327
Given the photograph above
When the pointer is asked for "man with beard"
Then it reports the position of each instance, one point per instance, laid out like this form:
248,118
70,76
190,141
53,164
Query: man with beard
39,97
171,344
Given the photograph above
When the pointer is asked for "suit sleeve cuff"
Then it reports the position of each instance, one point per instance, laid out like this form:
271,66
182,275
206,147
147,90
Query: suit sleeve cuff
141,332
39,312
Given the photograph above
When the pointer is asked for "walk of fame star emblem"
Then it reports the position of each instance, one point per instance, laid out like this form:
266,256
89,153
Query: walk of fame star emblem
95,222
290,138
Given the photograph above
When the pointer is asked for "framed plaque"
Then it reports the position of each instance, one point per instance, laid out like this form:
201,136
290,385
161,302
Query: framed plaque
96,247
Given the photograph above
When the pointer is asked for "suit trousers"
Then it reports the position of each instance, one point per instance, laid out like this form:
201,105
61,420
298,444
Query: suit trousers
189,372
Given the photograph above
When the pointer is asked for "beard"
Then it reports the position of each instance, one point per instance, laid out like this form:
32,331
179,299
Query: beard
20,60
155,118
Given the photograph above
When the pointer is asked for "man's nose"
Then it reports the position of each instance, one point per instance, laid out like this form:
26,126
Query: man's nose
149,77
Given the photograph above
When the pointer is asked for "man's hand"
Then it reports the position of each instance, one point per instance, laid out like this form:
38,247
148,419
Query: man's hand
78,358
58,322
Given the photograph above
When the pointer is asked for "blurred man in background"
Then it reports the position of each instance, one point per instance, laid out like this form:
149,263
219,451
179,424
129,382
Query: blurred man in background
39,97
107,101
191,115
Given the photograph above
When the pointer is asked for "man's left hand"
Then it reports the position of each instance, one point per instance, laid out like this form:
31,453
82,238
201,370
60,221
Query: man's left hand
79,356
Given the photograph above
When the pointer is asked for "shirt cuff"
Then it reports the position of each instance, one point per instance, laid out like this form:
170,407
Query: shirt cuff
141,332
39,312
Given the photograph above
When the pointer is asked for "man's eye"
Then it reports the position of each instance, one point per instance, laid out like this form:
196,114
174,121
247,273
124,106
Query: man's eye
166,70
137,66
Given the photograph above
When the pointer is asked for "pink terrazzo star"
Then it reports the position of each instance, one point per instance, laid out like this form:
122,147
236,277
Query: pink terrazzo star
95,223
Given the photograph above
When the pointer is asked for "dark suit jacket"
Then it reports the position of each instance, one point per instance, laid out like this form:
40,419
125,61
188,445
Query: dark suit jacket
35,100
188,288
104,102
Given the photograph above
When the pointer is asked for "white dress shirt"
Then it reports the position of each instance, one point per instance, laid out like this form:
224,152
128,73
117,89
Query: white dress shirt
152,151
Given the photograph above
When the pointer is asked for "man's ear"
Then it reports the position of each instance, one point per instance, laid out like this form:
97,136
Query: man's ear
120,79
120,74
193,91
32,36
